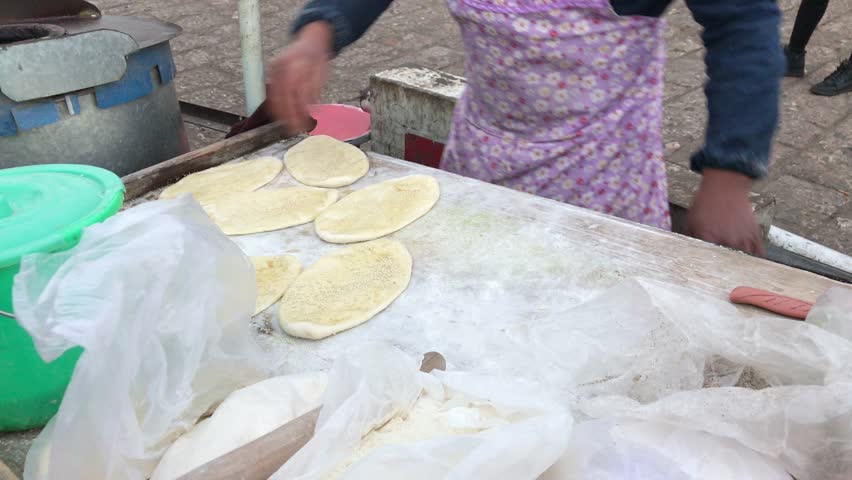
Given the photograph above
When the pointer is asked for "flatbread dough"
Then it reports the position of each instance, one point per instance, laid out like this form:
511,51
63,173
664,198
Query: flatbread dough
214,182
322,161
345,288
378,210
247,414
273,275
268,209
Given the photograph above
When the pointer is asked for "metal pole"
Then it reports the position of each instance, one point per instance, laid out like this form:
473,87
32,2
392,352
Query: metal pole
250,42
806,248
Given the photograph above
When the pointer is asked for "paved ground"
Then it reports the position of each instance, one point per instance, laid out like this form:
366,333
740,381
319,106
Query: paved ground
811,177
812,173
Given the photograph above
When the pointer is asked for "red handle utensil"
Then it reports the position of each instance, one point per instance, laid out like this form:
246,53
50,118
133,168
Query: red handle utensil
773,302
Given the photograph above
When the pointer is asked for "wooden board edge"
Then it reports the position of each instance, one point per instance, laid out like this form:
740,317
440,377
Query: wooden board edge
263,456
6,472
165,173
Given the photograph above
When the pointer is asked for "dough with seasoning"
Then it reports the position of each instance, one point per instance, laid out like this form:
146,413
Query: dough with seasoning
322,161
268,209
378,210
274,274
345,288
215,182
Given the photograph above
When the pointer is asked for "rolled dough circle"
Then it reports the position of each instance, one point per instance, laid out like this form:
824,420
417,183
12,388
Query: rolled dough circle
273,275
378,210
345,288
269,209
226,179
322,161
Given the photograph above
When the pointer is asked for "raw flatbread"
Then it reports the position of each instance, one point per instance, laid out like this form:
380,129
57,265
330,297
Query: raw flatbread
345,288
322,161
378,210
273,275
247,414
270,209
214,182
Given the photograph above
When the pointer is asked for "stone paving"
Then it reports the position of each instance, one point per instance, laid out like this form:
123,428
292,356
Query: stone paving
812,172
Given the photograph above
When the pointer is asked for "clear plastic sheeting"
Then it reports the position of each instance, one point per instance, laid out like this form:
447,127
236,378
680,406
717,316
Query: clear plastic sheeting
519,429
160,301
806,429
639,450
643,381
247,414
645,340
833,312
651,374
642,352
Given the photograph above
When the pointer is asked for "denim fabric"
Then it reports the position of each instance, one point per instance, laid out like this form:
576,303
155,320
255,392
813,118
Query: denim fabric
349,18
744,64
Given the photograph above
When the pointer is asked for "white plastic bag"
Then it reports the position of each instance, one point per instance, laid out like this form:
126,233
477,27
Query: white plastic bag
246,415
640,450
524,433
803,420
622,343
160,300
833,312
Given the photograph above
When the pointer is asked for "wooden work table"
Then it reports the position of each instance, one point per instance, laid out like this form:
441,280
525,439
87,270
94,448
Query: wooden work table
486,259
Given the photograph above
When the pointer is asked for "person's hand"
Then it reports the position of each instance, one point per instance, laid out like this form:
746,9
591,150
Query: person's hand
298,75
721,212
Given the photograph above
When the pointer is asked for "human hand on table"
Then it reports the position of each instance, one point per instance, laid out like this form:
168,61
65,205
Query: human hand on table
299,73
721,212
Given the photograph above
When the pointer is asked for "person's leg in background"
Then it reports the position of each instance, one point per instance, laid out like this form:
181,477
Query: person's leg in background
807,18
840,81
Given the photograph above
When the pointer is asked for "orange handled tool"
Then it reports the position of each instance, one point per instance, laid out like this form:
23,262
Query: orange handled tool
773,302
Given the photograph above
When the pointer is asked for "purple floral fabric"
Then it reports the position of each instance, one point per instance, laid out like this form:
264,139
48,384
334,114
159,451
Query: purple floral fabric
564,100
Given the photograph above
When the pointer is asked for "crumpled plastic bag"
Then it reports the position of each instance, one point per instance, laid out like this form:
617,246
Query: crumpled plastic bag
640,414
644,349
649,371
833,312
160,300
244,416
643,450
367,387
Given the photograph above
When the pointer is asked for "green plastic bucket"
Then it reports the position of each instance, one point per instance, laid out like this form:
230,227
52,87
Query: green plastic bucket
43,209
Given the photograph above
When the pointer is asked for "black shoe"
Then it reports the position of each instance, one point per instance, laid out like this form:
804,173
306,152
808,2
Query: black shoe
840,81
795,62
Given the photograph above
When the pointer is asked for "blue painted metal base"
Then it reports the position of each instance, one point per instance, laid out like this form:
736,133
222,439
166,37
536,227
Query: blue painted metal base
137,82
123,126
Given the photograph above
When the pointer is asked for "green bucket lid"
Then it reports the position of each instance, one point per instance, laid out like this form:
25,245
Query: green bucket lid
44,208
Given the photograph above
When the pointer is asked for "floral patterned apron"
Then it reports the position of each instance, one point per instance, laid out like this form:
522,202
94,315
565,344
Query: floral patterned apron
564,100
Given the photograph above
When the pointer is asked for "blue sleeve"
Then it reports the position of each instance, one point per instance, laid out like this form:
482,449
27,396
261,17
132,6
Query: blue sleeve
745,65
350,19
